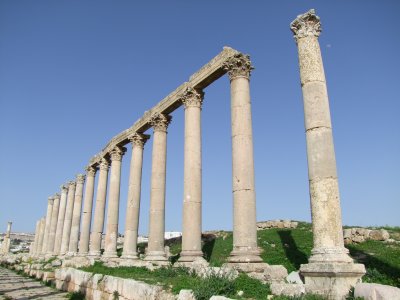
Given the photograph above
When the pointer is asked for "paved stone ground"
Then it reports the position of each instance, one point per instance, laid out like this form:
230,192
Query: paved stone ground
14,286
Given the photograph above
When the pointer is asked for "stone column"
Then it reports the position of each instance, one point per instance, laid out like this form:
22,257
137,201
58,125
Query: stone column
98,222
41,236
7,242
60,220
110,249
68,218
53,225
87,211
330,269
76,216
133,203
155,250
191,228
244,198
35,241
50,203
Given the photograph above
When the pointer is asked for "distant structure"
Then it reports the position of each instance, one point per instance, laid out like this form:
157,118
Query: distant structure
7,241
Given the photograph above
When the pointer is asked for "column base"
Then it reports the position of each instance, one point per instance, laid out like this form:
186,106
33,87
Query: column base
156,256
331,279
244,255
110,254
190,256
129,256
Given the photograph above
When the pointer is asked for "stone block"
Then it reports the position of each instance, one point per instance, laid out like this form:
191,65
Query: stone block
294,277
287,289
275,273
379,235
374,291
186,295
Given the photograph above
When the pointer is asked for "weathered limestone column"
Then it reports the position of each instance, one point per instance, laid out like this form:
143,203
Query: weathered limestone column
98,222
7,242
50,203
68,218
41,236
244,198
110,249
330,270
133,203
60,220
35,241
76,216
87,211
191,228
53,225
155,250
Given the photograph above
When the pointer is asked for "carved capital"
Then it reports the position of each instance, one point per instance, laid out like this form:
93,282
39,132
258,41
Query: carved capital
80,178
238,65
117,153
192,97
71,184
91,171
138,139
50,199
64,188
104,164
307,24
57,196
160,122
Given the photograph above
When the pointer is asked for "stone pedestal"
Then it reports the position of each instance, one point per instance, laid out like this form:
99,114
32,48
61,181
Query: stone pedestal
330,270
68,218
155,250
133,203
87,211
50,203
60,220
98,222
53,225
110,250
245,248
192,201
76,216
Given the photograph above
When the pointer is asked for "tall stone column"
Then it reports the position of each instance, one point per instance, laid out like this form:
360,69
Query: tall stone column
87,211
35,241
244,198
7,241
60,220
191,235
76,216
155,250
98,222
41,236
50,203
53,225
68,218
110,250
330,269
133,203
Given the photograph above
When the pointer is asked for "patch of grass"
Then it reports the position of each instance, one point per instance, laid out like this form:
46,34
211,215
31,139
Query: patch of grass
252,288
221,248
76,296
304,297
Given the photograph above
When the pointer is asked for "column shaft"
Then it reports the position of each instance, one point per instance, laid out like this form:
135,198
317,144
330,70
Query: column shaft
156,250
47,226
87,211
192,199
41,236
244,199
110,250
76,216
60,220
53,225
35,241
98,223
133,202
68,218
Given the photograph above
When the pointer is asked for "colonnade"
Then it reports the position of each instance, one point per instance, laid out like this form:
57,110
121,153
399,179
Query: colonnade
66,229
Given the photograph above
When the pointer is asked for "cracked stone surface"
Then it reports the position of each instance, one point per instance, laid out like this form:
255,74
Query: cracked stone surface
14,286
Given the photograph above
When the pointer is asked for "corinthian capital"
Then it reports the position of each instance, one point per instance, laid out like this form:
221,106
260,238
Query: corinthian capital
307,24
80,178
138,139
104,164
50,199
57,196
71,184
192,97
91,171
238,65
117,153
160,122
64,188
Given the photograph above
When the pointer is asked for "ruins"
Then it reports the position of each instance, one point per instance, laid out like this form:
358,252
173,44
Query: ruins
330,270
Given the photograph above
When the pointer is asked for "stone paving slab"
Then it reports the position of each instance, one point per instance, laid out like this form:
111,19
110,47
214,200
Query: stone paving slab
14,286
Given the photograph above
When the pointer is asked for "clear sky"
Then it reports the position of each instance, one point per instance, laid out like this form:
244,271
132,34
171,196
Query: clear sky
75,73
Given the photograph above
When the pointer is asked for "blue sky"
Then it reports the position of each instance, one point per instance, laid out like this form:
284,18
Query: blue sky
75,73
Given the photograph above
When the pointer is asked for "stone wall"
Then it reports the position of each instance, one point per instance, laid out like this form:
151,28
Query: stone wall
359,235
277,224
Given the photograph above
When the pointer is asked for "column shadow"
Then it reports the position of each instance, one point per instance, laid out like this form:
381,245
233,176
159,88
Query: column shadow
208,245
292,252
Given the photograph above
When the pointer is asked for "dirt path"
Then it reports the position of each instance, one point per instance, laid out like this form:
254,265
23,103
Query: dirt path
14,286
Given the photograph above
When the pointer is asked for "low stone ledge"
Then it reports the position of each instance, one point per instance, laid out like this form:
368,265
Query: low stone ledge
287,289
277,224
359,235
374,291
